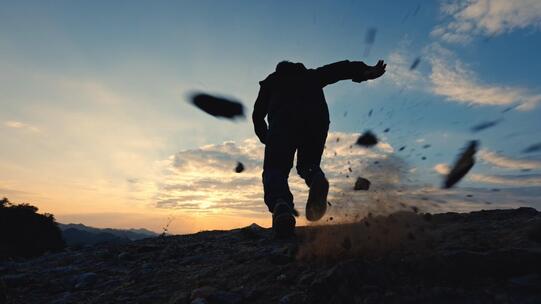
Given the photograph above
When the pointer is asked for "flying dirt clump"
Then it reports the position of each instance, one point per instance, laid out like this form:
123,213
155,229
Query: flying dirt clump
462,166
415,63
369,39
485,125
368,139
218,106
239,168
361,184
533,148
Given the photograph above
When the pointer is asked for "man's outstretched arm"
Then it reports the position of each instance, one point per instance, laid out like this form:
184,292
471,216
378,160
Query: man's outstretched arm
260,111
357,71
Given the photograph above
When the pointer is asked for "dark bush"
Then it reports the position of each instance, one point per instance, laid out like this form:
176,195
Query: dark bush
26,233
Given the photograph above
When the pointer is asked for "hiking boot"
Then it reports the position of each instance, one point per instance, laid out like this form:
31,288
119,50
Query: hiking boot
317,197
283,220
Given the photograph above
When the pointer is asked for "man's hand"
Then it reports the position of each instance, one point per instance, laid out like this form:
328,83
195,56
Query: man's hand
372,72
376,71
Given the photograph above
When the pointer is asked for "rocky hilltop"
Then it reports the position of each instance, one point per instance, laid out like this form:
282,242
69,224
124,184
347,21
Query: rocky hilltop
479,257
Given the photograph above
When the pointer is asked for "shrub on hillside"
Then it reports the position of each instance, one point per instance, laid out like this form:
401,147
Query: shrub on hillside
26,233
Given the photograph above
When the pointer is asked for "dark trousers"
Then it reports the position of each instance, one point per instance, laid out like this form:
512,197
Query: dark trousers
280,147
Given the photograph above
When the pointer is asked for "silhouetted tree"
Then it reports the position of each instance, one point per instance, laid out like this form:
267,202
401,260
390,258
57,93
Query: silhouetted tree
26,233
4,202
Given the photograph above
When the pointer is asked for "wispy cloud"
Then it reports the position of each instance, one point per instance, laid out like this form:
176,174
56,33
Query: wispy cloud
399,68
470,18
454,80
506,162
508,180
21,125
449,76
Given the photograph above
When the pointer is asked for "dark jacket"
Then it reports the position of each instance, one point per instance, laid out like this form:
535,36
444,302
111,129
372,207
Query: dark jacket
293,98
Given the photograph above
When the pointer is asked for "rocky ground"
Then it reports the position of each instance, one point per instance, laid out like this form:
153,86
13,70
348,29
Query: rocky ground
479,257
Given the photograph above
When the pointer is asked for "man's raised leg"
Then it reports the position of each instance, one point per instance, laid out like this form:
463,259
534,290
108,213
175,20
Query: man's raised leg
308,167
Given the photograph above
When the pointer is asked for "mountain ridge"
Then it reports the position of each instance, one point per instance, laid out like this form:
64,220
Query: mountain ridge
81,235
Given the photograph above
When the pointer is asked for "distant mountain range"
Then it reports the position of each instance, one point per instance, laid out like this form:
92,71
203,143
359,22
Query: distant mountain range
81,235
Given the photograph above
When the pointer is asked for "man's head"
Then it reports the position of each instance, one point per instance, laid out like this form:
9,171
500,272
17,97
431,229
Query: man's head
288,67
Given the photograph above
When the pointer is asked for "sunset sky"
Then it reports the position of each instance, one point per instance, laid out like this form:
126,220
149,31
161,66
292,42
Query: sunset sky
96,128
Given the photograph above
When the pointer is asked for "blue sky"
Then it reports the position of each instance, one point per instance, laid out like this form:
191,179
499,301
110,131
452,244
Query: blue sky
94,111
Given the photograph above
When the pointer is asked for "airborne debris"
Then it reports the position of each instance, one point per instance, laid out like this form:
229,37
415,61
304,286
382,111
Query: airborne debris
368,139
369,39
239,168
412,14
485,125
415,63
508,109
464,163
386,130
361,184
427,146
218,106
402,148
417,9
370,35
370,112
533,148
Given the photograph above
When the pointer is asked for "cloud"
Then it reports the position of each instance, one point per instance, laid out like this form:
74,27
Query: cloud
454,80
21,125
449,76
505,162
442,169
399,68
203,179
470,18
508,180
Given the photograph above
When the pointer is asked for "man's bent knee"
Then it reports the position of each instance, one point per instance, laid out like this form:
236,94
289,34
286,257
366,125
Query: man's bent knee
307,173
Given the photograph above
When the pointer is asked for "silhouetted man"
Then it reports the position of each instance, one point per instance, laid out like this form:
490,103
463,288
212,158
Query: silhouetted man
292,99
